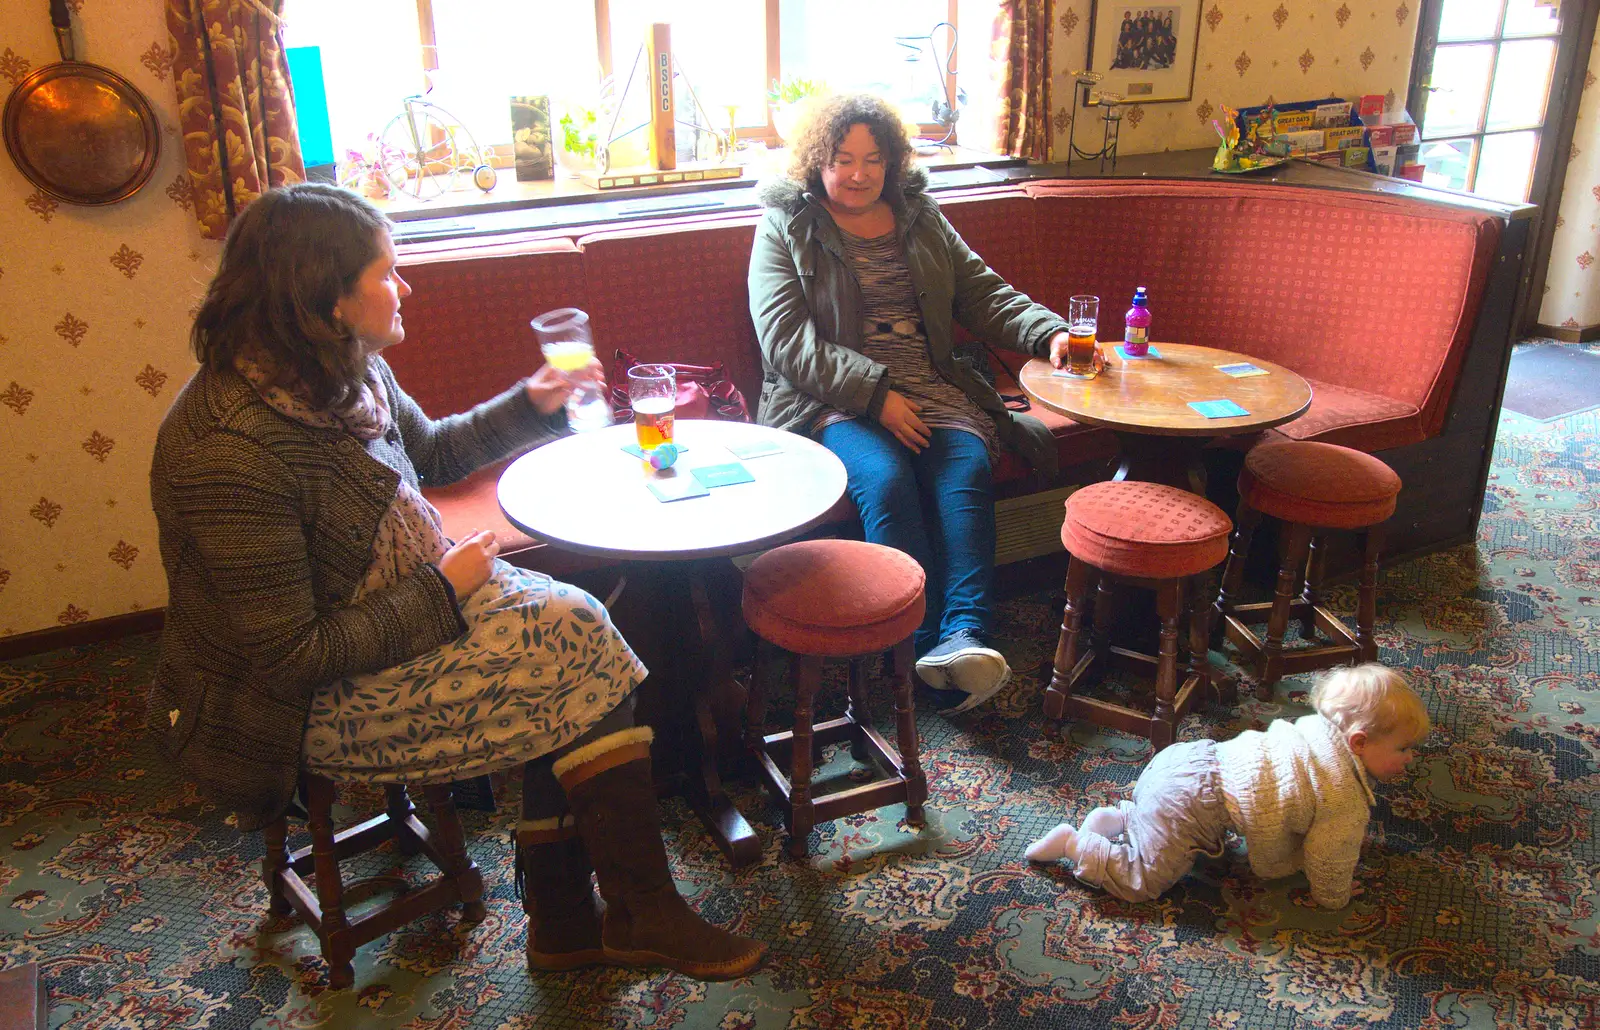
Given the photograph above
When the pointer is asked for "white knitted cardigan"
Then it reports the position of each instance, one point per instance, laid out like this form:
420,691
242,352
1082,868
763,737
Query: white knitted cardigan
1301,800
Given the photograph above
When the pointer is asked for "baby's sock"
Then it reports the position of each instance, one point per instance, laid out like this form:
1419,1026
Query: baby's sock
1107,822
1059,843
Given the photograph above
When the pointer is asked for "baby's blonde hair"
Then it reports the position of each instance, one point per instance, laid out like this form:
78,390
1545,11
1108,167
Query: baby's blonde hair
1373,698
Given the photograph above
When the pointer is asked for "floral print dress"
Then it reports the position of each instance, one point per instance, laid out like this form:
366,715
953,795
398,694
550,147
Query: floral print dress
539,665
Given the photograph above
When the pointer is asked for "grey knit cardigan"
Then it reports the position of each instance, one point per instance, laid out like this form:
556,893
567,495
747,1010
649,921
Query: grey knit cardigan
266,529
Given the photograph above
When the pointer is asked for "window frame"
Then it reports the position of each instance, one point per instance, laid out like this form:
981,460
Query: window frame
765,131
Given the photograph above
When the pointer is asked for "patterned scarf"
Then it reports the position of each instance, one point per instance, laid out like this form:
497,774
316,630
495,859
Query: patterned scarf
366,416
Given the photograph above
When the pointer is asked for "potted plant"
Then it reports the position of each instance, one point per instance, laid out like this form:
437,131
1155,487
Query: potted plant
791,99
579,134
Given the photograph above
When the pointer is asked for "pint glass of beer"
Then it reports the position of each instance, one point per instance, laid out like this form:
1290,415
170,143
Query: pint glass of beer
653,392
1083,315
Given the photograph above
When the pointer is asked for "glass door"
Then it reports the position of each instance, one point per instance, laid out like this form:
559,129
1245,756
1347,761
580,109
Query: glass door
1481,93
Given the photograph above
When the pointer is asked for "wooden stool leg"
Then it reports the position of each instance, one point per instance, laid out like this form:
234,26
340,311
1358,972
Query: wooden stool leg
1311,592
1105,610
1269,666
1200,618
905,714
275,861
1245,522
1367,595
400,809
858,709
802,817
337,947
1169,605
1068,644
453,850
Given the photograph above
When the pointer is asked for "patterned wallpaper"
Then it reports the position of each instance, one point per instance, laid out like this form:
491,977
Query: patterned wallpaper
1250,51
94,307
1572,254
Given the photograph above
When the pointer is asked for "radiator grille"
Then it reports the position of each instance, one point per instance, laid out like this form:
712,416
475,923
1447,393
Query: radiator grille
1028,526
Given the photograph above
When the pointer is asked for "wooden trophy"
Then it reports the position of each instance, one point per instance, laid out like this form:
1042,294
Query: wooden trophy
663,115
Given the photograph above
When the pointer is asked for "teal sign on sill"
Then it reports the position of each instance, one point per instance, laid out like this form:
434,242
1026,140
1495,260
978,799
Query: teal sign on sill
311,111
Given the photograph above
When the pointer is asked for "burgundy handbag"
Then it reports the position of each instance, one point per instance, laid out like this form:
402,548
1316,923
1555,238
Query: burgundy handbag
704,391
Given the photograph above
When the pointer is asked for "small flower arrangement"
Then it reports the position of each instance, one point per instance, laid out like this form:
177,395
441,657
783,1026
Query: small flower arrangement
1244,153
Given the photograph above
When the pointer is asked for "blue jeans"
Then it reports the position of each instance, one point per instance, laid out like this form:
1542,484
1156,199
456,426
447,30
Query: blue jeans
937,506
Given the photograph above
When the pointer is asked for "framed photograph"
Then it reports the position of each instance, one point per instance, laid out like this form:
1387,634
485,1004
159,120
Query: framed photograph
1144,53
530,138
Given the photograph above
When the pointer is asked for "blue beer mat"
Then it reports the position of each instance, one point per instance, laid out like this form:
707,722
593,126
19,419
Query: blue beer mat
670,486
1242,369
1152,353
723,475
1218,409
1062,373
638,452
754,449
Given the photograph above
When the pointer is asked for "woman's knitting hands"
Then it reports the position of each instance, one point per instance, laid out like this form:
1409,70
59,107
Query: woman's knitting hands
467,565
899,416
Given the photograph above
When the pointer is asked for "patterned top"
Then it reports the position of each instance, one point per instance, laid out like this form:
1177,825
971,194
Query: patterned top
892,334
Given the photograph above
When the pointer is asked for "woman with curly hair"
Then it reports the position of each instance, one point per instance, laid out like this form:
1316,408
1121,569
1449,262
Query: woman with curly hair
320,619
856,282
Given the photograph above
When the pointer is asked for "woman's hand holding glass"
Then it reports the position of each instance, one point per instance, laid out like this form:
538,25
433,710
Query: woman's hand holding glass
549,387
468,564
900,417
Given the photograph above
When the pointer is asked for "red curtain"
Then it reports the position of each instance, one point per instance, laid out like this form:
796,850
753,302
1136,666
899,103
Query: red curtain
1021,46
235,104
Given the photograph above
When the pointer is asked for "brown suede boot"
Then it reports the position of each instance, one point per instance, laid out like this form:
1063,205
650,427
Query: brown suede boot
646,922
552,876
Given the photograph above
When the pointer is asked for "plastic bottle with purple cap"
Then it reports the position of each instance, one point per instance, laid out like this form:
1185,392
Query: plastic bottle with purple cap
1136,331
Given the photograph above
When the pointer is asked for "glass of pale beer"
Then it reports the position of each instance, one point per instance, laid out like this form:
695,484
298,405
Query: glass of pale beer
653,392
565,341
1083,317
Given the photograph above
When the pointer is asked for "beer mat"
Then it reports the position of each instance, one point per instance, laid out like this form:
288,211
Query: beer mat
1062,373
1151,353
1242,369
670,486
754,449
639,452
723,475
1218,409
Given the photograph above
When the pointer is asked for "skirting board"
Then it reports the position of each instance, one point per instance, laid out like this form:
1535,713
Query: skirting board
1569,334
91,632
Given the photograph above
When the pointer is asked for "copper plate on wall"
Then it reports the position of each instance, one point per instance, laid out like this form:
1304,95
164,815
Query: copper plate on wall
82,133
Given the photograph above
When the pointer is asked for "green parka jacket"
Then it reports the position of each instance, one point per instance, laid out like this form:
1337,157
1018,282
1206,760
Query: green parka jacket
806,302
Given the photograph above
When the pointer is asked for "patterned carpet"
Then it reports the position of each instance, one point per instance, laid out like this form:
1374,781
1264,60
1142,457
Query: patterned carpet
1475,906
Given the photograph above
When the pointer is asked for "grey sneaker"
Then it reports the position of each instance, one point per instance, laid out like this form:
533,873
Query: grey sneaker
963,663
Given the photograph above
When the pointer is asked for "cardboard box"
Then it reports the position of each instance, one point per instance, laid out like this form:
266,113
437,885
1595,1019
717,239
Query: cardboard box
1329,116
1306,141
1355,157
1413,172
1371,105
1383,160
1293,121
1328,157
1341,137
1407,153
1380,136
1404,132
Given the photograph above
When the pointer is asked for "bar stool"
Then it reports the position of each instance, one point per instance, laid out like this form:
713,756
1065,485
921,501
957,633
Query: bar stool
284,872
835,599
1313,489
1145,535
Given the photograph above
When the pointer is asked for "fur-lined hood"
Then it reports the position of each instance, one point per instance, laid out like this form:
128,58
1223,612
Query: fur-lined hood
789,196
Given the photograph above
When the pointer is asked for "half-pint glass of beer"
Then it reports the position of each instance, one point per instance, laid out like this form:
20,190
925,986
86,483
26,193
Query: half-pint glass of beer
1083,316
653,392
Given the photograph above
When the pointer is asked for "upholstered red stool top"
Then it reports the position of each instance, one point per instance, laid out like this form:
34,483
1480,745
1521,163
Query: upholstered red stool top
1318,484
1145,529
834,598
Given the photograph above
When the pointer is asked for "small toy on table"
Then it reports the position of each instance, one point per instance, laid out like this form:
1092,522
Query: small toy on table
664,456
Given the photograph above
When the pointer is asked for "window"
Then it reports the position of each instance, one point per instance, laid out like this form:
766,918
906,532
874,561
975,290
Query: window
1483,106
480,53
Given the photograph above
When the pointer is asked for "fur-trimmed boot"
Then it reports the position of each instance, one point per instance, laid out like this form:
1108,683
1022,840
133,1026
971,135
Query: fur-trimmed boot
646,922
552,878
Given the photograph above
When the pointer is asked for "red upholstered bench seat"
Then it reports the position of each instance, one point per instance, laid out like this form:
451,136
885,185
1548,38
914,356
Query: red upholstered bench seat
1372,297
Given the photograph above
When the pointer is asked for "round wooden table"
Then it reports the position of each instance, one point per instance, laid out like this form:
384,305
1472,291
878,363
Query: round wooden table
1145,401
583,493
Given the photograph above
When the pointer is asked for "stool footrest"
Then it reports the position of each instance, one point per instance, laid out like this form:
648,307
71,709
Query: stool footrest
1129,720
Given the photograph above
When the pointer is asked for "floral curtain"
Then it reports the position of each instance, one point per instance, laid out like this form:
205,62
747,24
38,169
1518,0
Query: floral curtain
1021,50
235,104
